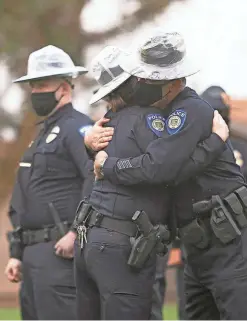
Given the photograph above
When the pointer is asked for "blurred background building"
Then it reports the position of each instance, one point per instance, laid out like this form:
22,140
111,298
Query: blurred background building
215,31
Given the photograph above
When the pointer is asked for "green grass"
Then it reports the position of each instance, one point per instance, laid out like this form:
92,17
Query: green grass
10,314
169,313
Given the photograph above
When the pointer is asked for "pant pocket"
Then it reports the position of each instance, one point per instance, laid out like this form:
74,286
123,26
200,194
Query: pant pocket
126,306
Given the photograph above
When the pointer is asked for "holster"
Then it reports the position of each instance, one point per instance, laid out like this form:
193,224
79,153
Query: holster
222,223
151,239
227,216
195,233
15,243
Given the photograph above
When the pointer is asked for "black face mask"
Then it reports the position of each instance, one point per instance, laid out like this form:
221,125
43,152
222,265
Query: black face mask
146,94
44,103
135,92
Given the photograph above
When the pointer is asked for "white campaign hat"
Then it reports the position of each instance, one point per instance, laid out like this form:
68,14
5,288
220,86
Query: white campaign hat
161,56
107,72
50,61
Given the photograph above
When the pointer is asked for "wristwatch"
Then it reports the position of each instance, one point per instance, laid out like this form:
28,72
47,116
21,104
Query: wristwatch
102,167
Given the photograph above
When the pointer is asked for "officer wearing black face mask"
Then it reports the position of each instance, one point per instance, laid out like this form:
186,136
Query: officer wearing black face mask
107,279
219,100
209,208
53,175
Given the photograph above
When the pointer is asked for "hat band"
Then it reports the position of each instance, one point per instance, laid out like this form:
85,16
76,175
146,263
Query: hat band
159,59
44,66
107,76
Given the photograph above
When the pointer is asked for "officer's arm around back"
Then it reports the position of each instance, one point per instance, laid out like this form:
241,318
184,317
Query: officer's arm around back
189,122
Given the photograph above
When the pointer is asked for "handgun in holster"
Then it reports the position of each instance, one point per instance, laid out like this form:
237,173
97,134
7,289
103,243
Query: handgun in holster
152,238
15,243
222,222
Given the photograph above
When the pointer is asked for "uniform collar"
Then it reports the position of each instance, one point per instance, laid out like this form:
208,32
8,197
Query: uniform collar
57,114
185,93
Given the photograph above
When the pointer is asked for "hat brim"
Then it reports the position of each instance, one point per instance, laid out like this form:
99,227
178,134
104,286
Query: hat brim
132,64
77,70
108,88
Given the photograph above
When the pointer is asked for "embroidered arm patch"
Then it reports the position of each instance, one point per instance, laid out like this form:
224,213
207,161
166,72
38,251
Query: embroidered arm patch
156,123
84,129
176,121
124,163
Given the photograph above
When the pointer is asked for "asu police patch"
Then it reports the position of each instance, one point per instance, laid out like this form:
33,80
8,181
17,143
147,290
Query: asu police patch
156,123
84,129
176,121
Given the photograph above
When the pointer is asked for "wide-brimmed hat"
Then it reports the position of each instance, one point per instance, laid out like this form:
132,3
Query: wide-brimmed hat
106,71
48,62
161,56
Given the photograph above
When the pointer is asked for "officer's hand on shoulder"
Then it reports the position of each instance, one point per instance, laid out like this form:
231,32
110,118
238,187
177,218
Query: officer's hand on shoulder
13,270
98,137
65,246
220,127
99,161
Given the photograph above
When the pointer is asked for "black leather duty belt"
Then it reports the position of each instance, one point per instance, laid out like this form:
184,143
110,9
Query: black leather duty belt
117,225
46,234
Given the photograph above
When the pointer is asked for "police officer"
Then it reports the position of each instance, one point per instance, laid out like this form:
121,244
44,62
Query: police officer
219,100
109,275
51,179
210,206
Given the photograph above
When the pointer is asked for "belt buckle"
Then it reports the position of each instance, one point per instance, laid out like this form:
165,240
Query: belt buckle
98,220
46,234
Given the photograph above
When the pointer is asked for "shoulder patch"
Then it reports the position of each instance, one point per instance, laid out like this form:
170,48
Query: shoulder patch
84,129
176,121
156,123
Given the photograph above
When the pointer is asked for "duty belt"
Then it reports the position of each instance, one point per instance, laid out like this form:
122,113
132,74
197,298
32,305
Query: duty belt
224,217
117,225
46,234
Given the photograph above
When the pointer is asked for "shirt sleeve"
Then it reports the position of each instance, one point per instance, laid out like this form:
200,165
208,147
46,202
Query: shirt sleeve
16,206
204,154
74,142
165,156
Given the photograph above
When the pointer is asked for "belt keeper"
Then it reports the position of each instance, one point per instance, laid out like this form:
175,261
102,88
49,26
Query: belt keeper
46,235
98,220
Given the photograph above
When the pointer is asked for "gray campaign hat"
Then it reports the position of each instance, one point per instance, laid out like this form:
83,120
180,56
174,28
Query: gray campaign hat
106,71
50,61
161,56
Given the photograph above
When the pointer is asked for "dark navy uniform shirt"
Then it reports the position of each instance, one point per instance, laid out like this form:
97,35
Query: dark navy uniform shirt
135,129
188,121
55,168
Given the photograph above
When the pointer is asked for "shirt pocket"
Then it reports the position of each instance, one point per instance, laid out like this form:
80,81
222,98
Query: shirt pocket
41,159
50,161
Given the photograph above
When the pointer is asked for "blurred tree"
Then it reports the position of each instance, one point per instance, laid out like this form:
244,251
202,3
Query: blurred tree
28,25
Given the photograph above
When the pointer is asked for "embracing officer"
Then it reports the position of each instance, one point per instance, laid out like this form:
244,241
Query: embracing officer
112,274
210,207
